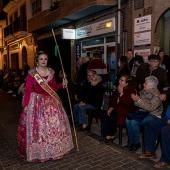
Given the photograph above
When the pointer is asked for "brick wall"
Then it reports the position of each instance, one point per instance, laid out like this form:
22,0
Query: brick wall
127,13
159,34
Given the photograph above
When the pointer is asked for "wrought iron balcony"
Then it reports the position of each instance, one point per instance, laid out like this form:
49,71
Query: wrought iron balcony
20,24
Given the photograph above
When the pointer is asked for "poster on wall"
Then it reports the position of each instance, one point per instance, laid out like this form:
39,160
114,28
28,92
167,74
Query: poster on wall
142,23
144,53
142,39
156,49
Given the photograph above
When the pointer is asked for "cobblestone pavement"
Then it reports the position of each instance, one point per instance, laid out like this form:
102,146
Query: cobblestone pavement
92,155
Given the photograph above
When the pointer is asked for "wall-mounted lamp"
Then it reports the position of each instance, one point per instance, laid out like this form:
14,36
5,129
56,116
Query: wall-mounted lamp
108,24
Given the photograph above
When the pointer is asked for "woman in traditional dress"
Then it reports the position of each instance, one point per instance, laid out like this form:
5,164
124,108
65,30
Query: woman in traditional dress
44,132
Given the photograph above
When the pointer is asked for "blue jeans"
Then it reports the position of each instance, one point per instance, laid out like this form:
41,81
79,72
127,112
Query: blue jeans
80,112
133,128
151,132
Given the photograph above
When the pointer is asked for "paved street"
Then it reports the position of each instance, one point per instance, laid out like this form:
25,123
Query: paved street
92,154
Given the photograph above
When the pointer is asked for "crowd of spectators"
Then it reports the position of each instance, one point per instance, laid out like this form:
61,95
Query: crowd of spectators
12,81
139,98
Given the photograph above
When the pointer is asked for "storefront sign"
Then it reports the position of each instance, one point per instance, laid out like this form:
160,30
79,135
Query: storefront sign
78,51
144,53
142,39
142,23
68,34
101,27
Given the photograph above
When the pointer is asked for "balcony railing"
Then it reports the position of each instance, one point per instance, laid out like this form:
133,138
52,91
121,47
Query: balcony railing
20,24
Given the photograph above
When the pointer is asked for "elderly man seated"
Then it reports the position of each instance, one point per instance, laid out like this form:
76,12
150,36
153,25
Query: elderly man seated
149,108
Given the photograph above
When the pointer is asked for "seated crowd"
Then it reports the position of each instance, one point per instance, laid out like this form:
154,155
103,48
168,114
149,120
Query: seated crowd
137,101
13,81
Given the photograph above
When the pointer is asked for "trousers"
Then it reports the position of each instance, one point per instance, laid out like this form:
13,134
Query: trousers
151,133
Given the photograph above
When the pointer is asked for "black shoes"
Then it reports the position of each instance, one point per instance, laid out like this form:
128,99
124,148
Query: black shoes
109,140
83,129
126,147
135,147
132,147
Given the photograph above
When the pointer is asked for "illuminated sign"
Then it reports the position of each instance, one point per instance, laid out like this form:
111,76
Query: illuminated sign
68,34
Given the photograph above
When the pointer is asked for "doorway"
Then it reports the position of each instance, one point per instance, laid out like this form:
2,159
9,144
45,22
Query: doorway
14,61
111,63
24,57
5,65
107,54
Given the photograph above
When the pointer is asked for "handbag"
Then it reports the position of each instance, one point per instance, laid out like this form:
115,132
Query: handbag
137,115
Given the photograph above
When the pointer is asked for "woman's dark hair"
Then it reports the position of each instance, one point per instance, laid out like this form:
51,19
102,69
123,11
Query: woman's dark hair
124,64
160,51
38,54
128,78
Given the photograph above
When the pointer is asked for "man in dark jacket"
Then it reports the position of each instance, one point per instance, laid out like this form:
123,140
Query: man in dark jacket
151,69
130,58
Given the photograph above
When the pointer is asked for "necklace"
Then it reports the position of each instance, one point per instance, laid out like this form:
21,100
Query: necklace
44,72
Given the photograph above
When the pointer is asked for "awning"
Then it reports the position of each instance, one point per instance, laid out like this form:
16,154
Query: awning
73,17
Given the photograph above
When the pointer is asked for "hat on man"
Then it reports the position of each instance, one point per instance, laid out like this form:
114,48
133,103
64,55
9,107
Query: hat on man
154,57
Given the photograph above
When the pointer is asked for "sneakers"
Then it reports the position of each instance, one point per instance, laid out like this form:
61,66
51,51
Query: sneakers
148,154
135,147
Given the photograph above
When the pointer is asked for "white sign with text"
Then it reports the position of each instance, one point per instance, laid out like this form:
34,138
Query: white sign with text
142,23
142,39
98,28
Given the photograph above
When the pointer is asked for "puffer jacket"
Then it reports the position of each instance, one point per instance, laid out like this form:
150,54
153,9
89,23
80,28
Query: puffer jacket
150,101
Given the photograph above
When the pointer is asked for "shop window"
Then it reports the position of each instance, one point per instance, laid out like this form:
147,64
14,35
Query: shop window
110,38
93,42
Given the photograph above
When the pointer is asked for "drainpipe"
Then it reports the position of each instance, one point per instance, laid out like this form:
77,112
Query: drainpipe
118,28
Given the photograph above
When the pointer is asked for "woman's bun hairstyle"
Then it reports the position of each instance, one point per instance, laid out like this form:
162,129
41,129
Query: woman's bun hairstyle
37,55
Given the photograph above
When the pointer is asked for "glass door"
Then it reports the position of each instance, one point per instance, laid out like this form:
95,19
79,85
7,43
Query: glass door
111,63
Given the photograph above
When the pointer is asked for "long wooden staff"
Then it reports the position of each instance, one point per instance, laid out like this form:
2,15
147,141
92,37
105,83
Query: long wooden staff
75,134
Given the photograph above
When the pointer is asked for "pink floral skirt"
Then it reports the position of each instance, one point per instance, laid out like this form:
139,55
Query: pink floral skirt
44,131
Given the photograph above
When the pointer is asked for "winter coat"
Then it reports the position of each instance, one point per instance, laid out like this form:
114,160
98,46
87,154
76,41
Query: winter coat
150,101
92,95
123,104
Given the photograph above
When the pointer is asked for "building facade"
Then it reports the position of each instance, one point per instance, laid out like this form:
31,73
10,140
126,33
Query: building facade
19,47
86,17
150,29
140,25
